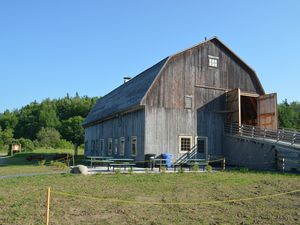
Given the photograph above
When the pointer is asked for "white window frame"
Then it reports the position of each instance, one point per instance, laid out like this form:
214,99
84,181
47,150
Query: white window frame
109,146
213,61
179,142
136,145
122,146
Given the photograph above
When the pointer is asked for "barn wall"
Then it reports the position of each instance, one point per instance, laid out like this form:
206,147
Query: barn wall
187,73
128,125
210,117
246,153
163,128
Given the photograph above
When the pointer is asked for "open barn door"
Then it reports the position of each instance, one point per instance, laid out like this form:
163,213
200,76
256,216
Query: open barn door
267,111
233,101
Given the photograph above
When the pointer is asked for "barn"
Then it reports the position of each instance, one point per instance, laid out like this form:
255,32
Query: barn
181,103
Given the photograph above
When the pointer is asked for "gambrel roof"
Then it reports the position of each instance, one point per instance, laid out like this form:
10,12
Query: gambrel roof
125,97
129,95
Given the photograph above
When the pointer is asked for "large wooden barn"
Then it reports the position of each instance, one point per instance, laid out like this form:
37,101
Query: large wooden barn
181,102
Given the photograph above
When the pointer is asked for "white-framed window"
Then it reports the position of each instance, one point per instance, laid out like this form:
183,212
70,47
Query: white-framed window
101,147
122,146
134,146
116,146
109,146
185,143
188,101
213,61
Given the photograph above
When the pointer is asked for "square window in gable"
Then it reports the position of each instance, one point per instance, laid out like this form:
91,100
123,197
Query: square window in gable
213,61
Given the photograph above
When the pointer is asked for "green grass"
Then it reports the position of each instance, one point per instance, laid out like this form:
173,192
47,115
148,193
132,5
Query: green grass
22,200
18,164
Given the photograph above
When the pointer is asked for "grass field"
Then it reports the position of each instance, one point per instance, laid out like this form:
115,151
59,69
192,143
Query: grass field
22,200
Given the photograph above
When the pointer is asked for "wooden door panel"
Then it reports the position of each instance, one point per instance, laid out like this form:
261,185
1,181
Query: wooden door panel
233,101
267,111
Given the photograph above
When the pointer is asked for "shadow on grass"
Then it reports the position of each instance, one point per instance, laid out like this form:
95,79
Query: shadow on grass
23,158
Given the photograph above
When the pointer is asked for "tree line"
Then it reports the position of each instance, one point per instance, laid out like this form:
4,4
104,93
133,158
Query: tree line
55,123
289,115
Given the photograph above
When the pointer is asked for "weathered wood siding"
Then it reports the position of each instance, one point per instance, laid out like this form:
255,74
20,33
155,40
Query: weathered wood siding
128,125
163,127
188,73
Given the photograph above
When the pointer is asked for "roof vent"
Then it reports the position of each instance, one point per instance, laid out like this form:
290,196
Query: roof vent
126,79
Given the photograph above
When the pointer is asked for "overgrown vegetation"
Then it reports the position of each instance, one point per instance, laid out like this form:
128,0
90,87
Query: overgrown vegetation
289,115
53,123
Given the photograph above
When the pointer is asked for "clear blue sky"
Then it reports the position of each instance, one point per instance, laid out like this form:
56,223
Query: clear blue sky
51,48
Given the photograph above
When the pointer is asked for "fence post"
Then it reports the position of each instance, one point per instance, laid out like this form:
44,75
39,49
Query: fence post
224,163
278,135
48,206
294,138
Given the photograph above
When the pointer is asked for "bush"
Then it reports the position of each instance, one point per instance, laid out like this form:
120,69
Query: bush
26,144
48,137
195,167
117,171
65,144
209,168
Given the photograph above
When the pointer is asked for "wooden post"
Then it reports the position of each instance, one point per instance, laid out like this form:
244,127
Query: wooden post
224,163
68,160
48,206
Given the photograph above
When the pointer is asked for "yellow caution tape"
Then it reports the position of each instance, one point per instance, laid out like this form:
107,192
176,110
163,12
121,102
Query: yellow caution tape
175,203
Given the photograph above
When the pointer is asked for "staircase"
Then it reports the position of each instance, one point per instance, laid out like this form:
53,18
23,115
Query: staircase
192,154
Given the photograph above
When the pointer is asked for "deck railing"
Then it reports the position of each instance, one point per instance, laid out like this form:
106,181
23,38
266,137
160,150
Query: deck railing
281,135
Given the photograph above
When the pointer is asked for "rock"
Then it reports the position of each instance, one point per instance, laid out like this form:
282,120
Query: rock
80,169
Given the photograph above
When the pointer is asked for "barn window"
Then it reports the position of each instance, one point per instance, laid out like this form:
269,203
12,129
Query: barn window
185,143
122,146
116,146
133,146
109,146
213,61
101,147
188,101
